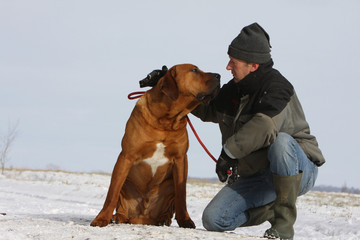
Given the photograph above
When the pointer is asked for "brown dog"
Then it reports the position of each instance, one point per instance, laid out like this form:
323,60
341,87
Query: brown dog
148,183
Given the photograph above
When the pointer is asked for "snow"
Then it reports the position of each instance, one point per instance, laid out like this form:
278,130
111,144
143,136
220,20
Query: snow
60,205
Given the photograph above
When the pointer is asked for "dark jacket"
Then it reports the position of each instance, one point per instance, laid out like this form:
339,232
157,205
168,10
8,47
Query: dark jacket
252,112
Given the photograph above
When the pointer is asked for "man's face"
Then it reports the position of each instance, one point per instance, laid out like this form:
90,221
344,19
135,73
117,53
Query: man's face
240,69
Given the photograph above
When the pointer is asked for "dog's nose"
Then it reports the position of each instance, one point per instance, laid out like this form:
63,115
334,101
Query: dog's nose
217,76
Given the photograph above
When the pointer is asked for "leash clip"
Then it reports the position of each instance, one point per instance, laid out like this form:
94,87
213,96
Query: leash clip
232,175
229,174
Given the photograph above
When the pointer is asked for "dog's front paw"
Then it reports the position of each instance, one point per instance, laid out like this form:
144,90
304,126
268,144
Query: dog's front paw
186,223
99,222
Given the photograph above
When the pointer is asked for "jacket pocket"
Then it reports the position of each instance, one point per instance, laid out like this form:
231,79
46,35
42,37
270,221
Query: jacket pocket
253,163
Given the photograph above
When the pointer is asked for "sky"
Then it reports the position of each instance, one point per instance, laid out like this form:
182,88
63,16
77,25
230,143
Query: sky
66,68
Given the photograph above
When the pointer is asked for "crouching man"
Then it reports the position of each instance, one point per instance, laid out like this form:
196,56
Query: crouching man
266,142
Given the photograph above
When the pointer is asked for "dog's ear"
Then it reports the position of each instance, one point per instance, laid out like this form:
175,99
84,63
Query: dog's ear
169,86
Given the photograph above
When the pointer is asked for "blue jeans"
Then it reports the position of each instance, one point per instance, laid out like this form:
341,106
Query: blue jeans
228,209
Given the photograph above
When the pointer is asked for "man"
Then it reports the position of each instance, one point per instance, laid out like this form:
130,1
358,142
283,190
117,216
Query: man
266,142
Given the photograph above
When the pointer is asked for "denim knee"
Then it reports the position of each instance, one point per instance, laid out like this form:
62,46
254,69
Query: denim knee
214,220
282,156
209,220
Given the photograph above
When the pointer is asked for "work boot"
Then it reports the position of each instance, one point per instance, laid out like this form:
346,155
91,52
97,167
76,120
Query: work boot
259,215
287,189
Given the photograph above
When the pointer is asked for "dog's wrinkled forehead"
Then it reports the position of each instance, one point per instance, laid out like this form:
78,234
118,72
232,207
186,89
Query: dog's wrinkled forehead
189,73
183,69
186,74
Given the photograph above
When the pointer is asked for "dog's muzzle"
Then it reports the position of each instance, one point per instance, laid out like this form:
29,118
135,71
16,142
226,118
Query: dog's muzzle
206,97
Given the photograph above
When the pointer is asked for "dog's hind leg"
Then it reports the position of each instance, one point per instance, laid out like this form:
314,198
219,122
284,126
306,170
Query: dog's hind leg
119,218
130,204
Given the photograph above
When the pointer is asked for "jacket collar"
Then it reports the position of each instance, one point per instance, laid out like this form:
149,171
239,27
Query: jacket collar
254,80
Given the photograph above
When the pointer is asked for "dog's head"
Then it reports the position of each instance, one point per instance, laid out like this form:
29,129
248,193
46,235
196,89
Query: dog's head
188,81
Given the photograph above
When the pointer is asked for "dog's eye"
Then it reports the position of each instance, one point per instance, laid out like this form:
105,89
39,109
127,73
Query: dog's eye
195,70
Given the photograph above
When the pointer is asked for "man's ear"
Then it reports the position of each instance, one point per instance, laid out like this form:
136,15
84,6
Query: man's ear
254,67
168,85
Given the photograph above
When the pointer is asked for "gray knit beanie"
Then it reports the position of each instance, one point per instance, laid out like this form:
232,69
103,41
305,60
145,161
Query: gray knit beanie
251,45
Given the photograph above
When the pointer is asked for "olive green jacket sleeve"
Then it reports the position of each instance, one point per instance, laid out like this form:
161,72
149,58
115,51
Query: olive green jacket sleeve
257,133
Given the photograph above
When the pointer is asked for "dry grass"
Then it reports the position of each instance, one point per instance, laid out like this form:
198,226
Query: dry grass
331,199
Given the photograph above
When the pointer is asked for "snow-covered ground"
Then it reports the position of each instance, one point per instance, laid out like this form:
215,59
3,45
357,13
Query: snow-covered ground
60,205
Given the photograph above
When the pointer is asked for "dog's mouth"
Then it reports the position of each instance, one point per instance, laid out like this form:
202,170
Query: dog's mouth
207,97
214,82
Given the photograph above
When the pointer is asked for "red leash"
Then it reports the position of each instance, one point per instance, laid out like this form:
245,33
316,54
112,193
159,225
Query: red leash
135,95
199,140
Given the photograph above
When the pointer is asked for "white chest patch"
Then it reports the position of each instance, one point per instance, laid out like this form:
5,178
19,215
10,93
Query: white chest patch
158,158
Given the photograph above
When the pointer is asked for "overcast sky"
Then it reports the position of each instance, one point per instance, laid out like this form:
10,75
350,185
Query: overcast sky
66,68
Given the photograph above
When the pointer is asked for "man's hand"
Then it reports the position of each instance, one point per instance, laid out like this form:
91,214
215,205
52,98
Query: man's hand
153,77
224,164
